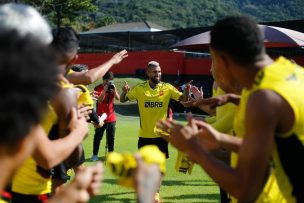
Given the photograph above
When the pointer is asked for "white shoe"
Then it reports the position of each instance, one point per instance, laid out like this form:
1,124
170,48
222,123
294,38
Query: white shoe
94,158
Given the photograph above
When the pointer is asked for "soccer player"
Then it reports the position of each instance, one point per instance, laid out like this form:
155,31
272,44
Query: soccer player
27,187
153,100
270,114
222,121
65,43
26,21
28,35
25,100
23,106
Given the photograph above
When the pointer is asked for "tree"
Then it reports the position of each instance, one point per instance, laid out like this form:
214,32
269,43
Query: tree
57,10
104,21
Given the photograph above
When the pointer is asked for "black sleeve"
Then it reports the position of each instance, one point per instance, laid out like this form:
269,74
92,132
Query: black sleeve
94,117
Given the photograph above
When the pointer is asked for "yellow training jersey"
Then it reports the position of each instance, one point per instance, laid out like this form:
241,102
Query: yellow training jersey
287,80
271,192
153,105
84,96
224,116
70,71
28,179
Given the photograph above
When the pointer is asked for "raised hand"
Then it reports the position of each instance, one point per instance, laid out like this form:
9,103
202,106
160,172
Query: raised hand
117,58
197,93
126,87
188,85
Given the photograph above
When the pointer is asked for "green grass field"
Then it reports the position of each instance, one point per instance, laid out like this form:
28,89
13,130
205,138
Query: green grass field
176,186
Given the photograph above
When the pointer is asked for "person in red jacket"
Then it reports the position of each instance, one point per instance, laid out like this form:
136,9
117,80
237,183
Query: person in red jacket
106,92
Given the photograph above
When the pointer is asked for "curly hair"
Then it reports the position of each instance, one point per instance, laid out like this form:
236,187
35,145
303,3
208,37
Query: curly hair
28,79
238,36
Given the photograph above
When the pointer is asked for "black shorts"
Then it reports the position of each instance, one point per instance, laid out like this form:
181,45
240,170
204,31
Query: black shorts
21,198
159,142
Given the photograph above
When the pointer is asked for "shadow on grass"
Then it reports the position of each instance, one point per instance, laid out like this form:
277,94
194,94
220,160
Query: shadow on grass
188,183
127,109
115,197
173,182
187,198
110,181
121,196
183,198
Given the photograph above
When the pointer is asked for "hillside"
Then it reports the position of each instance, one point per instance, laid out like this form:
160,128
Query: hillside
195,13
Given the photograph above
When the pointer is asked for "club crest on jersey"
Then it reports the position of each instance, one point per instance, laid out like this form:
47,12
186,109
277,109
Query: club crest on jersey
151,104
161,93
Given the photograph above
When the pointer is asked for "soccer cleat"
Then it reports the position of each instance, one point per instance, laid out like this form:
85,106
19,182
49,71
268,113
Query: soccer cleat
94,158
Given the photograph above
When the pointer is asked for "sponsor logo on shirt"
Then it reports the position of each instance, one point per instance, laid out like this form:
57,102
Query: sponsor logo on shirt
150,104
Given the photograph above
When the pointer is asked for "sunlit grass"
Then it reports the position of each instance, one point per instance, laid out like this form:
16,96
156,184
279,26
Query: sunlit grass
176,186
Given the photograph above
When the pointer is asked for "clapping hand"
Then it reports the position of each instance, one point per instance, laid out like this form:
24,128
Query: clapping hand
180,136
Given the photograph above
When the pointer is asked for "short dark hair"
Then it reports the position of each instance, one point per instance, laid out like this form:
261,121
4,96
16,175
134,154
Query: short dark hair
28,79
108,76
65,41
79,67
238,36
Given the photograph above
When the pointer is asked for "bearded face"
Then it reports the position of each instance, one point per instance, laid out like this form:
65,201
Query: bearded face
154,74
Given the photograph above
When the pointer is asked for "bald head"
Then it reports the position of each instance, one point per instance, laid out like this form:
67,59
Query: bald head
25,20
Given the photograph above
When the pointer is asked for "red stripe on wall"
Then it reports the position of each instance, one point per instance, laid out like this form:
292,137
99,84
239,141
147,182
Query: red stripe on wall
197,66
171,62
299,60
